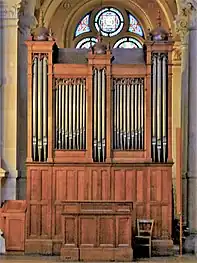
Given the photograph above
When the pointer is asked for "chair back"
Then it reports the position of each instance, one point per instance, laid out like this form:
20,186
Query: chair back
145,227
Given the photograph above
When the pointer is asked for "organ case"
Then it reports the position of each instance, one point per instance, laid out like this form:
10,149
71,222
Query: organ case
99,129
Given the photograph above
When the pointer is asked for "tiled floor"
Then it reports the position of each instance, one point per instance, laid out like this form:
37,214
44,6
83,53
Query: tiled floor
38,259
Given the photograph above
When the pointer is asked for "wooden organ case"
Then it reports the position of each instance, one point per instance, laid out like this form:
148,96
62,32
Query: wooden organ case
99,148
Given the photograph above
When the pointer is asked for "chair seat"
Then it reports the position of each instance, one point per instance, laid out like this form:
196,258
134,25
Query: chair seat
144,237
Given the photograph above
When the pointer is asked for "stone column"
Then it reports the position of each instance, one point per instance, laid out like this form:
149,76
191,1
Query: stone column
192,144
9,58
182,30
26,22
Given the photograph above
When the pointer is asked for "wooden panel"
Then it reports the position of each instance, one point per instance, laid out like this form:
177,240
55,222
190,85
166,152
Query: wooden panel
106,193
155,213
15,232
87,231
119,184
106,231
39,196
35,184
70,70
131,185
123,231
141,186
70,230
33,215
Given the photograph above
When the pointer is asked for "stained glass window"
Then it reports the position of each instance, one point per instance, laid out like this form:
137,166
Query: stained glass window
109,21
134,26
128,42
86,42
83,26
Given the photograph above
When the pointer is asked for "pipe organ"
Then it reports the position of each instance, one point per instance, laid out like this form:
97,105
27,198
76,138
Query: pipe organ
99,132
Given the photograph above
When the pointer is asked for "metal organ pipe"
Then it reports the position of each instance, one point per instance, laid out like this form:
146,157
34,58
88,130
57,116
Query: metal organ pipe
159,107
99,122
66,116
103,114
164,109
129,112
35,107
81,117
40,109
70,114
154,103
84,117
132,116
136,115
142,114
45,108
77,124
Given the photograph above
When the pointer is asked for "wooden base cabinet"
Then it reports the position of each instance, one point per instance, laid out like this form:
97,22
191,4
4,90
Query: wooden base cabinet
97,231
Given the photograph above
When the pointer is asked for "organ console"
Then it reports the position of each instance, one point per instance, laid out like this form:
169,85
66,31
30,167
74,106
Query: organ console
99,131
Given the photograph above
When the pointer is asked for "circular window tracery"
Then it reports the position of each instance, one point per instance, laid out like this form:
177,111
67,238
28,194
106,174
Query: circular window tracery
120,28
109,21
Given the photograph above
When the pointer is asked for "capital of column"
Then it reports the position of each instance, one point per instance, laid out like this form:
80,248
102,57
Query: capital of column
186,19
9,10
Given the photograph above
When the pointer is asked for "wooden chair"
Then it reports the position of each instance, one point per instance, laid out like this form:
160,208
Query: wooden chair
144,233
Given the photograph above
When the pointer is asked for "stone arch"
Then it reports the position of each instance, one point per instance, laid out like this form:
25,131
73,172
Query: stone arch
74,11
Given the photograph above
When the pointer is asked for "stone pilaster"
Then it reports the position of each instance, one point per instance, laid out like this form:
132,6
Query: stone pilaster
182,30
189,15
192,144
26,22
9,40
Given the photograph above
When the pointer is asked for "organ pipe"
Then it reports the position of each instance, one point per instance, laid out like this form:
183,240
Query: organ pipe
45,109
128,110
142,114
70,114
40,107
78,123
128,113
132,116
35,103
159,107
103,114
66,115
164,103
84,118
99,121
74,116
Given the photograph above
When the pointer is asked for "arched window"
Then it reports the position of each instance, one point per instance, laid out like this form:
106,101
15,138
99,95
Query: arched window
117,26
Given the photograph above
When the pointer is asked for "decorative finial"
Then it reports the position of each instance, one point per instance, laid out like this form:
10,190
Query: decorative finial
159,18
41,33
99,47
159,33
41,19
